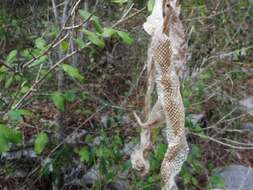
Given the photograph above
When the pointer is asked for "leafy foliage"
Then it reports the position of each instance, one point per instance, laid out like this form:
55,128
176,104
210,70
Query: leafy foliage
9,135
73,72
217,182
12,56
95,94
84,155
94,39
125,37
40,142
17,114
58,100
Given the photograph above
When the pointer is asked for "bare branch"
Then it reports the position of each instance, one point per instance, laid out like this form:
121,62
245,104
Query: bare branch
223,143
56,16
39,81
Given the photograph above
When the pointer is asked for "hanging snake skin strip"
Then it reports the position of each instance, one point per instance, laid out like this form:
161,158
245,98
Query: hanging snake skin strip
168,52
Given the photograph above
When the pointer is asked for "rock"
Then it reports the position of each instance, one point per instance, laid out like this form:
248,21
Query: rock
91,176
47,122
97,141
48,163
72,173
104,121
75,137
196,118
248,126
237,177
26,154
118,185
20,173
247,105
128,148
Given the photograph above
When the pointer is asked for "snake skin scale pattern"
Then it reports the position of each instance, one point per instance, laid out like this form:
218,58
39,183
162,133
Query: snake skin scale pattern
168,54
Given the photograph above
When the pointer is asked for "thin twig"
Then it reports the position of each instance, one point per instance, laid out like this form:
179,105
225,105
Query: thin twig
55,12
128,18
39,81
59,145
237,142
74,8
212,15
222,143
10,68
221,120
33,88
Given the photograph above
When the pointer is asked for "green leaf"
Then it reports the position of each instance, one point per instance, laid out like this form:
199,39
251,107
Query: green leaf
40,43
24,89
40,142
199,2
53,31
103,166
65,46
13,135
160,151
2,34
14,115
84,14
73,72
94,19
187,92
217,181
84,155
97,25
150,5
200,86
108,32
120,2
8,82
208,75
3,144
12,56
59,101
39,61
26,53
194,181
94,39
17,114
70,95
80,43
9,135
125,37
185,175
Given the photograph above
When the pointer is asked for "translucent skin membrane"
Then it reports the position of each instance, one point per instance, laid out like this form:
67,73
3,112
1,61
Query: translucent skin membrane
166,60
